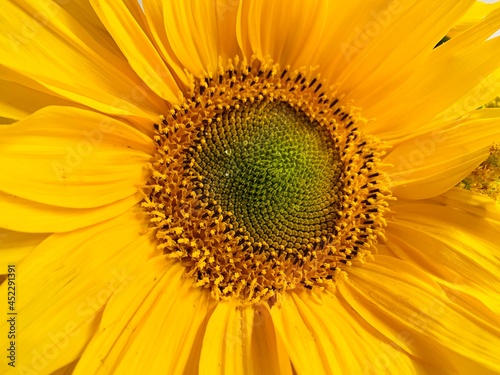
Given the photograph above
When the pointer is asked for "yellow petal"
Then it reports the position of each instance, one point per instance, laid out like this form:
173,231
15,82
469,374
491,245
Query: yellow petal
137,12
195,47
138,48
405,305
488,87
15,246
474,203
300,340
486,91
66,370
458,76
155,323
242,340
82,11
27,216
393,44
70,61
432,163
194,33
479,10
339,334
344,34
19,99
63,285
455,245
148,26
474,15
287,31
69,157
154,20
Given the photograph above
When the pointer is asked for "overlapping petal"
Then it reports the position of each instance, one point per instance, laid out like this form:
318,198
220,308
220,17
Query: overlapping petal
242,340
15,246
387,50
65,282
21,96
324,335
138,48
156,323
404,304
88,267
46,42
474,15
194,34
433,162
457,77
456,245
299,26
90,160
27,216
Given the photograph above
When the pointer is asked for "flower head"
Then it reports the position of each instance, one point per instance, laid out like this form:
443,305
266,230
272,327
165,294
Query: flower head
251,187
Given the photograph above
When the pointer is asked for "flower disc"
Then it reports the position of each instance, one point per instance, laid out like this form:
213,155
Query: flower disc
263,182
277,171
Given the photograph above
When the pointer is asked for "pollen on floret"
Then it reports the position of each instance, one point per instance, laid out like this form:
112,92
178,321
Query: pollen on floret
485,179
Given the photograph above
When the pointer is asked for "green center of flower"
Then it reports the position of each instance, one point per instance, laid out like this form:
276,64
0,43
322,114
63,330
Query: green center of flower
275,170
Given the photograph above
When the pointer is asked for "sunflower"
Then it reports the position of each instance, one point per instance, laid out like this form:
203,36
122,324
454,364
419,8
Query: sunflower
247,187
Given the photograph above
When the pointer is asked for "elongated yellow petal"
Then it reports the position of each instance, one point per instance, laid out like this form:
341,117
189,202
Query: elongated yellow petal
458,76
408,307
153,15
455,245
287,31
300,340
475,204
82,11
434,162
65,282
338,333
15,246
21,96
195,48
489,85
157,321
138,48
196,33
242,340
344,35
474,15
31,217
70,61
68,157
66,370
393,44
